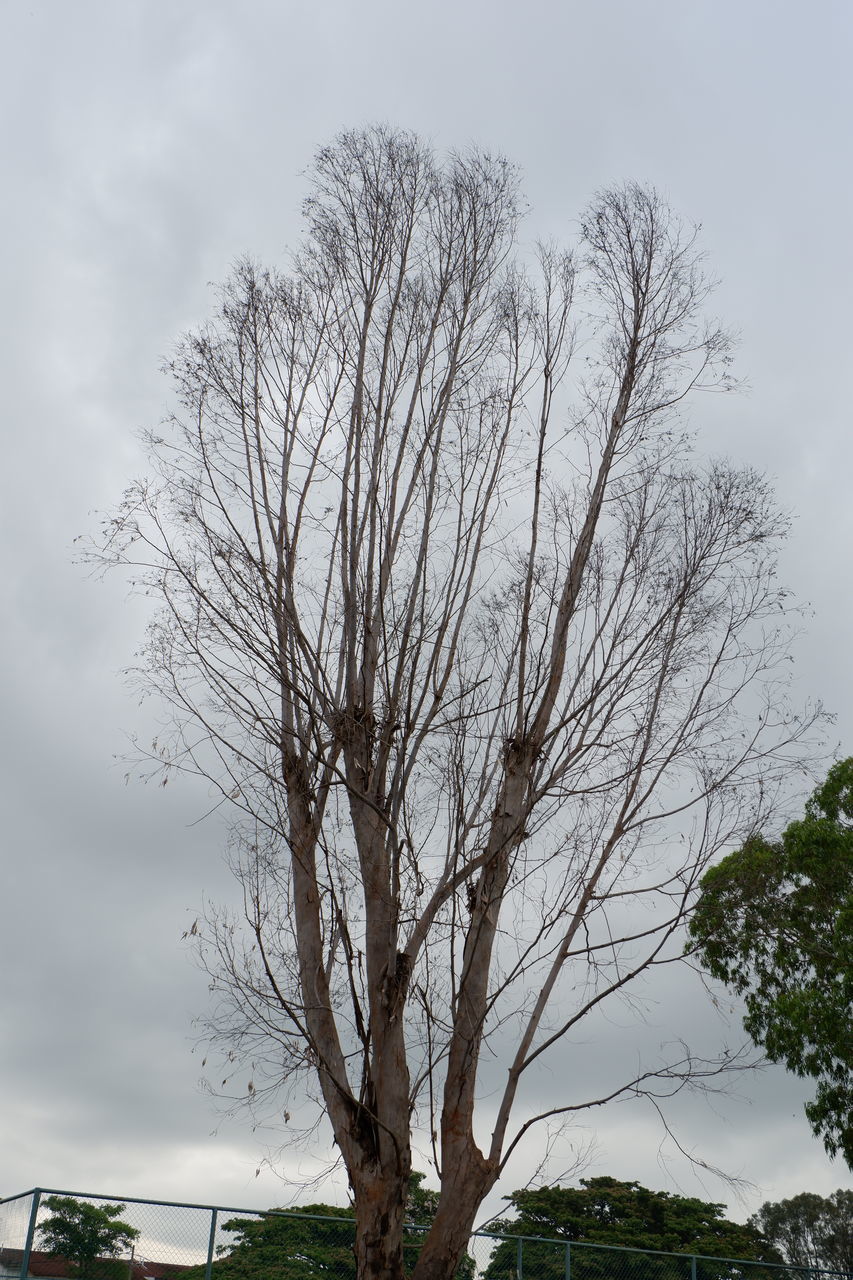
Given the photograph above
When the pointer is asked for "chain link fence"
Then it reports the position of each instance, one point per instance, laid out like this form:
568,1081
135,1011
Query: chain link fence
167,1240
17,1219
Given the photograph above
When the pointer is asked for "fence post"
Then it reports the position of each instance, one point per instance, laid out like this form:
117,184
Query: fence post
31,1231
693,1266
519,1268
568,1261
210,1243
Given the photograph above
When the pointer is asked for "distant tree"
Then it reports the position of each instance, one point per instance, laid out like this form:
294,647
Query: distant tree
811,1230
775,922
605,1211
87,1235
283,1245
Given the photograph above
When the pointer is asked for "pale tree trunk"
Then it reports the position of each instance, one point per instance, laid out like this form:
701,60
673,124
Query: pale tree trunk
449,1235
380,1207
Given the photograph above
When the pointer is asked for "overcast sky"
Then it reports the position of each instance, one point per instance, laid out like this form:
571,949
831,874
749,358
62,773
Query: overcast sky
146,145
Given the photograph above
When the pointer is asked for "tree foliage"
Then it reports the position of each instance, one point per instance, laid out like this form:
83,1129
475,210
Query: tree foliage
87,1235
775,922
605,1211
811,1230
461,631
284,1246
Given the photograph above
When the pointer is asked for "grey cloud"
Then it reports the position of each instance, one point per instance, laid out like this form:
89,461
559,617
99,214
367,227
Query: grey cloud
151,145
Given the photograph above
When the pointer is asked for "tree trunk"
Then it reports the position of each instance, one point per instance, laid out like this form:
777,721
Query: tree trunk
380,1210
462,1193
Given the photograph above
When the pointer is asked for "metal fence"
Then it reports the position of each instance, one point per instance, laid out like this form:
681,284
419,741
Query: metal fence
174,1241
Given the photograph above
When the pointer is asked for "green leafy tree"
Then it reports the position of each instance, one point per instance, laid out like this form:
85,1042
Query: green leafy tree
775,922
314,1241
88,1236
604,1211
811,1230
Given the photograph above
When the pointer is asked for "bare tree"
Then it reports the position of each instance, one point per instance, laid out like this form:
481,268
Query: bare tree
488,669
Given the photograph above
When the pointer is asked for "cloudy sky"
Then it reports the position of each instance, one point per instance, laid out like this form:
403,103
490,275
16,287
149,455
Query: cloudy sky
146,145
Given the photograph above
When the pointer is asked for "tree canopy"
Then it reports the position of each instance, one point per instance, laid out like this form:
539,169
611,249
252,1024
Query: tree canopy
606,1211
775,922
485,663
281,1245
811,1230
87,1235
